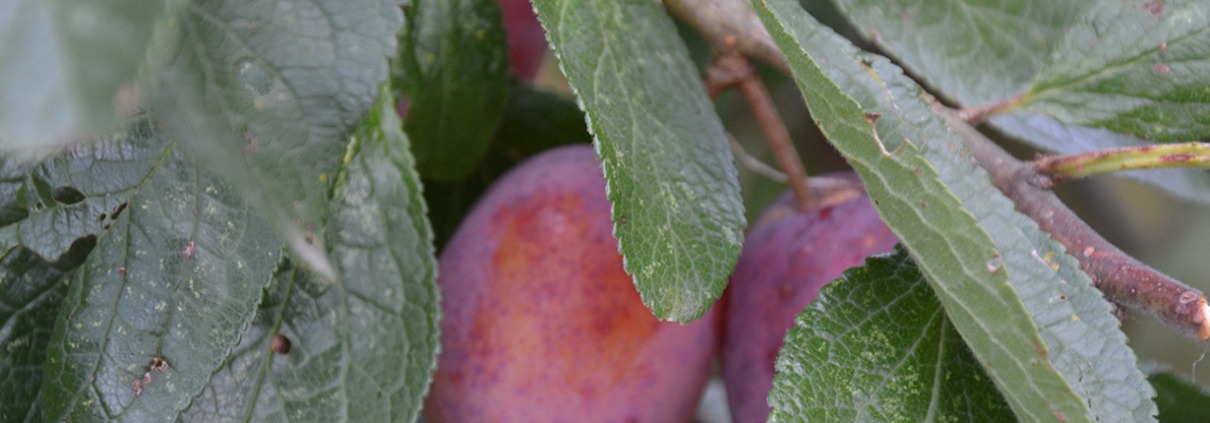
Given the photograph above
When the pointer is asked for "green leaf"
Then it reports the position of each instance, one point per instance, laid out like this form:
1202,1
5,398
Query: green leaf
534,121
65,66
31,290
76,194
1017,298
671,178
1133,67
453,76
877,346
976,53
364,348
1179,400
178,277
972,51
266,92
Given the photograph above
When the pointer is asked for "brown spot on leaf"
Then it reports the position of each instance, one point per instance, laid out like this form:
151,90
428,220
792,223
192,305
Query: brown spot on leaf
1154,7
159,365
281,344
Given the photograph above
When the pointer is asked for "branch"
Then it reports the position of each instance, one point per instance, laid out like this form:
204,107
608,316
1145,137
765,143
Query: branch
730,25
1122,278
1059,168
732,69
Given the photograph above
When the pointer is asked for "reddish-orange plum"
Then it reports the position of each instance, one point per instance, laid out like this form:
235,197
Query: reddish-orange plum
542,324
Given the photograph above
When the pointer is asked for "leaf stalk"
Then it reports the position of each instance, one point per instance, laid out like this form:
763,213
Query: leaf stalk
976,115
1060,168
734,70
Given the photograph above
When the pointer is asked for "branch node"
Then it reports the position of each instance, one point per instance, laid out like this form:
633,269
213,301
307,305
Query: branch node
1121,278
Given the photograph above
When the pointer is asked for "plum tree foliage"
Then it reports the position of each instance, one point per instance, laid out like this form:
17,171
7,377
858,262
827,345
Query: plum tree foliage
219,210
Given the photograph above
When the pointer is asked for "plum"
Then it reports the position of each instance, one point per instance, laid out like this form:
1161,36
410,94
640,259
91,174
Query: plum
788,256
526,39
542,324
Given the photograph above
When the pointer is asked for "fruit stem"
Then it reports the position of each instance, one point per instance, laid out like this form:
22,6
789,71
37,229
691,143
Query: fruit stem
978,114
733,69
730,25
754,164
1059,168
1120,277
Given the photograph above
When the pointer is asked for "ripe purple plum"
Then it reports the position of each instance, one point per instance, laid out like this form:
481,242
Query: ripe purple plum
789,254
526,39
542,324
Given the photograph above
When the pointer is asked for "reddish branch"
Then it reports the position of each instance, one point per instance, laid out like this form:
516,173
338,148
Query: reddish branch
731,25
733,70
1122,278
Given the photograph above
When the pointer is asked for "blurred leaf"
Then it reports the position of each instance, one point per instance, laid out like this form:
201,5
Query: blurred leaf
364,348
1136,67
989,264
877,346
534,121
64,67
671,178
453,79
976,53
1179,400
31,290
177,276
78,193
266,92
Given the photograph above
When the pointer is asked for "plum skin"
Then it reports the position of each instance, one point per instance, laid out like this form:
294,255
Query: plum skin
526,38
787,257
541,323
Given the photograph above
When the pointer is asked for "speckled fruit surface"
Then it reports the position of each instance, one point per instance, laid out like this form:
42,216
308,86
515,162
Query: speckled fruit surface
541,323
788,256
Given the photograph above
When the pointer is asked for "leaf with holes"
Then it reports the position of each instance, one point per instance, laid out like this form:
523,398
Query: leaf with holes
361,349
76,194
176,277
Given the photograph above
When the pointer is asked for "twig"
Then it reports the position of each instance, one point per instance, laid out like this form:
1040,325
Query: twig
1122,278
731,69
978,114
754,164
730,25
1059,168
